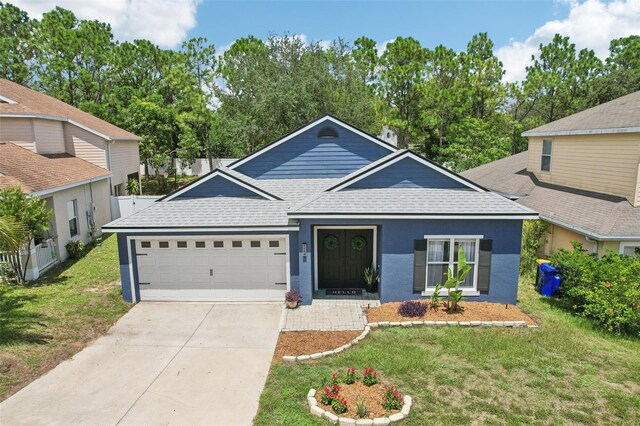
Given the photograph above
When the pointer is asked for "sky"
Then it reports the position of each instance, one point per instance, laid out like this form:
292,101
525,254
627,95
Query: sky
516,27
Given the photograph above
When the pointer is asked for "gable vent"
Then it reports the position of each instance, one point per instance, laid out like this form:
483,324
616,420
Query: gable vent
328,133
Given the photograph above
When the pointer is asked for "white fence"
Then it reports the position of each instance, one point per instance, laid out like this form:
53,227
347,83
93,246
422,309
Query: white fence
199,168
129,204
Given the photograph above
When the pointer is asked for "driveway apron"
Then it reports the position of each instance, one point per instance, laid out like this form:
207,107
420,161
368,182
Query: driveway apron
162,363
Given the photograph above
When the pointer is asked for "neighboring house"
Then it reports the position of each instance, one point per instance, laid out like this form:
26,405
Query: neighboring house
76,190
46,125
582,174
310,212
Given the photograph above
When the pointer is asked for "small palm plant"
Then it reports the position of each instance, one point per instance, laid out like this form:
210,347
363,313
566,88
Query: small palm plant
454,280
372,278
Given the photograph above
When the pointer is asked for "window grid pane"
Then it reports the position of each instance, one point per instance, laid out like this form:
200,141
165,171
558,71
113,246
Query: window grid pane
438,255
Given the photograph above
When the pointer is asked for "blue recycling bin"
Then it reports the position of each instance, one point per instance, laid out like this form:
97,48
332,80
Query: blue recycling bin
549,280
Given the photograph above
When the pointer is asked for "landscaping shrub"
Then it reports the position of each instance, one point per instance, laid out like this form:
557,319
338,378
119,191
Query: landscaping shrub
75,248
392,398
605,289
339,404
350,377
412,308
292,296
370,377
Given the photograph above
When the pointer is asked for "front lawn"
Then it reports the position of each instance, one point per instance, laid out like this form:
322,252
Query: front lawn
565,372
48,321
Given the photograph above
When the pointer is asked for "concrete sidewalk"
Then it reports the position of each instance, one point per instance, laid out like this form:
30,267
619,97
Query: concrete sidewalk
162,363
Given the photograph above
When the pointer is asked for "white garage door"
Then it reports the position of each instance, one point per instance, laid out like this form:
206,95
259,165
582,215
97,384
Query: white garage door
209,268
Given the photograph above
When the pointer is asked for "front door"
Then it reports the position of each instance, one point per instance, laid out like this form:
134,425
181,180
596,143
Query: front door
343,255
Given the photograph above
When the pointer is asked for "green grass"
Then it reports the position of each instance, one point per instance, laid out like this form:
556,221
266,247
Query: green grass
53,318
565,372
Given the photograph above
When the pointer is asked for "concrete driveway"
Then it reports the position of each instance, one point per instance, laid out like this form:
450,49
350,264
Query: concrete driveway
162,363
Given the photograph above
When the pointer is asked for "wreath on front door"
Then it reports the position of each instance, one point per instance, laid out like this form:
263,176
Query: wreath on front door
330,242
358,243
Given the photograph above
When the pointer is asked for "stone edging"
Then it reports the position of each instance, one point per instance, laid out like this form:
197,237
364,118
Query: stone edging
458,323
316,410
290,358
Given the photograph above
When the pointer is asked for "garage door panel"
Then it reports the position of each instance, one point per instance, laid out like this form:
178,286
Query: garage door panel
184,273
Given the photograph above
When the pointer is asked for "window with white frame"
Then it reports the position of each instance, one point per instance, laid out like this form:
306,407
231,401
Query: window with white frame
545,163
72,214
442,255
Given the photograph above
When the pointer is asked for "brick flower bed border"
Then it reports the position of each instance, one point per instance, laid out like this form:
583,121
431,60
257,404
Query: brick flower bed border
367,329
316,410
290,358
519,324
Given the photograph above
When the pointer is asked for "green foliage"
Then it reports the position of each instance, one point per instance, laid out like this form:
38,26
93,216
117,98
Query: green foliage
434,302
75,248
455,279
450,106
533,232
392,399
606,289
32,214
371,278
361,409
133,186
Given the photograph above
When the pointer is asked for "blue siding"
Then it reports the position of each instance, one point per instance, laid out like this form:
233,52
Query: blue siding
217,186
124,261
407,173
307,156
395,250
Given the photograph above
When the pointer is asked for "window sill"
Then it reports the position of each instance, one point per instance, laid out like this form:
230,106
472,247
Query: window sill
444,292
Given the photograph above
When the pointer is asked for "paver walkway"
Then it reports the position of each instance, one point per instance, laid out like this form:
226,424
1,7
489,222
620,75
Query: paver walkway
162,363
332,313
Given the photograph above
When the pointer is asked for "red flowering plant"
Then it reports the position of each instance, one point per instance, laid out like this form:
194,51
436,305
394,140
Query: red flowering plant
329,394
339,404
370,377
335,380
350,377
393,399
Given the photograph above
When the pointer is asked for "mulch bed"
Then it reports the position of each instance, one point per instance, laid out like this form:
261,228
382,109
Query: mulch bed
357,392
296,343
470,311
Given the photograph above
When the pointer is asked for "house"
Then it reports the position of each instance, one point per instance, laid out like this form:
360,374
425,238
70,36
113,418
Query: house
311,211
76,190
72,160
46,125
582,174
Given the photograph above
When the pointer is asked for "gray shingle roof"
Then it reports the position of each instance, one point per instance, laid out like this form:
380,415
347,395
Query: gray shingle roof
207,212
599,215
618,115
410,201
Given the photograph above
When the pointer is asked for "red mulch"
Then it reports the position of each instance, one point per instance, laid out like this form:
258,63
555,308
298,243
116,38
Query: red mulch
357,392
469,311
296,343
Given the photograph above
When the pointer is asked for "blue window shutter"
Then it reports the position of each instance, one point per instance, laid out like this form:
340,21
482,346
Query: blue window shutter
484,265
419,265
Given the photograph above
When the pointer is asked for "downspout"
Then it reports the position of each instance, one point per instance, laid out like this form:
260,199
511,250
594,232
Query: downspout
595,244
109,143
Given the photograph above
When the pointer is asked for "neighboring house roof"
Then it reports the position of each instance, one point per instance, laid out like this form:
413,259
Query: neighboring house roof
36,173
214,202
597,215
20,101
621,115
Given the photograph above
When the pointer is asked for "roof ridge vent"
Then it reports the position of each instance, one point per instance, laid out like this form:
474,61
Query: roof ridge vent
328,133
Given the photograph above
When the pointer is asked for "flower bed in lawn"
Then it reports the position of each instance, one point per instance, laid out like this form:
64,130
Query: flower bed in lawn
359,397
295,343
469,311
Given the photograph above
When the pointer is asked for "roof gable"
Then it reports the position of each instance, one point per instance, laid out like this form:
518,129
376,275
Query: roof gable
220,183
325,148
21,101
405,170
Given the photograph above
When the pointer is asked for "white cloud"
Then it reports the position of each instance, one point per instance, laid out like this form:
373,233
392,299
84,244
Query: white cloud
164,22
381,47
590,24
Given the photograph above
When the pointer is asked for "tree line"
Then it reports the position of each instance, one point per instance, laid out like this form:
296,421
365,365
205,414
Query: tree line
452,107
